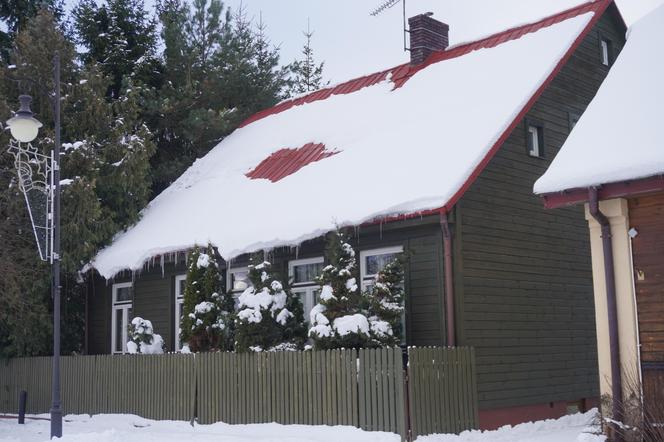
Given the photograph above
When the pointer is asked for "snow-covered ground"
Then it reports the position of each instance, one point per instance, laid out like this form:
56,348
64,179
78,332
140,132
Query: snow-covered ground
130,428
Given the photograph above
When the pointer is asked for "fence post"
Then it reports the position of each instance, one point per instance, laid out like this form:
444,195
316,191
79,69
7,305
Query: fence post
22,398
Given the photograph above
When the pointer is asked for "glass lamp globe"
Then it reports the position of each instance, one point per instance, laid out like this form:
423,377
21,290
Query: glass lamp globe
23,126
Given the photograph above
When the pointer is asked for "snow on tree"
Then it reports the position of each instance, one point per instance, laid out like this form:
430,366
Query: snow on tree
206,323
339,319
269,317
306,74
142,338
386,304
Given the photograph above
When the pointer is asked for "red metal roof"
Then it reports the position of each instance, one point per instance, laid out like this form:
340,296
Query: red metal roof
286,162
401,73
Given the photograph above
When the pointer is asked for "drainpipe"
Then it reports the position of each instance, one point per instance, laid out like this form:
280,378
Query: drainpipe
609,275
449,280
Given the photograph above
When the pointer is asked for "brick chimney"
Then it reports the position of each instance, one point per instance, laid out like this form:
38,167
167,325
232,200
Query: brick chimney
426,36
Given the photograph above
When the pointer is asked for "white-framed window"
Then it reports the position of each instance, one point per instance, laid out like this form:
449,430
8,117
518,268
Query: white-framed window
123,296
605,48
237,280
302,273
535,140
373,261
180,282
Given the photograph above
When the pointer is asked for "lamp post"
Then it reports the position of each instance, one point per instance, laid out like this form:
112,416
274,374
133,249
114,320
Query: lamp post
24,128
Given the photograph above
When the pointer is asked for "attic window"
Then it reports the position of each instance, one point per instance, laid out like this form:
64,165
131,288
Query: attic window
535,139
286,162
606,51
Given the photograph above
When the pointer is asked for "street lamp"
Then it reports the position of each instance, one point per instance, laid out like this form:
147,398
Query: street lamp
39,181
23,126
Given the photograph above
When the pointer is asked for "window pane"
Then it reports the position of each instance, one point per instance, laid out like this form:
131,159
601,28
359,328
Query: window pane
118,331
605,52
240,280
376,263
306,272
182,284
122,294
533,133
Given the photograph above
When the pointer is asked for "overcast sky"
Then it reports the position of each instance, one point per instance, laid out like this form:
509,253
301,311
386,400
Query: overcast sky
353,43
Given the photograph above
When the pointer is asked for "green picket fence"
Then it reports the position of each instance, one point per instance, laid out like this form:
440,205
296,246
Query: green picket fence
312,388
442,390
368,388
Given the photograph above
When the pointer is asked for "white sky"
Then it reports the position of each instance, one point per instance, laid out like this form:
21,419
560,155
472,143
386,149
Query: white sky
353,43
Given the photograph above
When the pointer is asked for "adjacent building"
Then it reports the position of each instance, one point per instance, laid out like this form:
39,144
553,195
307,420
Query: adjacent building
613,163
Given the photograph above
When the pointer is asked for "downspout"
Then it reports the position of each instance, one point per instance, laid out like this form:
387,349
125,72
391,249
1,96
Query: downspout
449,280
610,280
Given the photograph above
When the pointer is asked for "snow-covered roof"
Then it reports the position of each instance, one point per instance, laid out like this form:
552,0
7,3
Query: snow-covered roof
406,140
619,136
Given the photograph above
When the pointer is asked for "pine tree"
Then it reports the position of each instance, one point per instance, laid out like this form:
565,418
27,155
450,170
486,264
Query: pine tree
386,305
306,74
269,317
186,119
339,319
206,323
17,13
121,38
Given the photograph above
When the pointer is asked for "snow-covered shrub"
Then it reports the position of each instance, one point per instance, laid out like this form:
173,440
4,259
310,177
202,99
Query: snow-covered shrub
386,304
269,317
340,320
142,338
206,323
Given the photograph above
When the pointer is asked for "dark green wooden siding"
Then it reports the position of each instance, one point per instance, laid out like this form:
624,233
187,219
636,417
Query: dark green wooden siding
154,292
526,296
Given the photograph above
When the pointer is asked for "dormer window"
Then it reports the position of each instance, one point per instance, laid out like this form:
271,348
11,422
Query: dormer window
606,51
535,139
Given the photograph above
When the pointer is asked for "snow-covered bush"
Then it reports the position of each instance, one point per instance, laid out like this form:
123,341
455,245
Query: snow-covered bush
339,320
206,323
269,317
142,338
386,304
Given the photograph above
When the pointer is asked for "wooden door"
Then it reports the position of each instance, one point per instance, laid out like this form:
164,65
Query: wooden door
646,215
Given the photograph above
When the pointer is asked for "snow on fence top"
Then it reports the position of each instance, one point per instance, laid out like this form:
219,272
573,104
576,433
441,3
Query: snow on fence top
619,136
402,141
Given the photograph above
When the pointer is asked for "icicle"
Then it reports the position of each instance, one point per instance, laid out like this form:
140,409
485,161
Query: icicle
162,265
297,251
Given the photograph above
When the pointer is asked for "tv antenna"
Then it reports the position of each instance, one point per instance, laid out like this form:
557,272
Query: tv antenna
388,4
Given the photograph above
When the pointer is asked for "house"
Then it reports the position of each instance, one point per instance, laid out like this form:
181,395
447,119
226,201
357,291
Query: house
613,163
435,158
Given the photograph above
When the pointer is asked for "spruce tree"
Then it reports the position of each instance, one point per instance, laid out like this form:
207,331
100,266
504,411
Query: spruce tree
339,319
186,119
306,74
206,323
121,38
269,317
386,305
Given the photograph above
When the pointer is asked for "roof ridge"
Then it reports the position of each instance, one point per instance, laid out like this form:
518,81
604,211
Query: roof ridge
402,72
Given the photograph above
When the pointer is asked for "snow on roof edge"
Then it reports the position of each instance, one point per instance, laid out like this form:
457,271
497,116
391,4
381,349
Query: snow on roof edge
109,272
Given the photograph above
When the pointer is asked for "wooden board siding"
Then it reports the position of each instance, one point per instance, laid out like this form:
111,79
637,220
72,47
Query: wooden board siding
154,293
646,215
422,242
154,299
527,298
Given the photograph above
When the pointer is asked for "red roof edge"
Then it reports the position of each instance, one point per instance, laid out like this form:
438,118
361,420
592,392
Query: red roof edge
601,6
604,192
401,73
